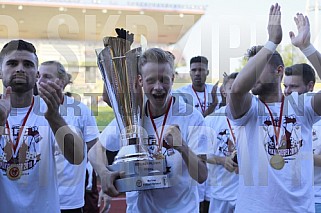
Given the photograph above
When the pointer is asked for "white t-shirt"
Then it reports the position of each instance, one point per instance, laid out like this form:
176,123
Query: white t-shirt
36,189
316,144
183,195
197,100
262,188
71,178
221,183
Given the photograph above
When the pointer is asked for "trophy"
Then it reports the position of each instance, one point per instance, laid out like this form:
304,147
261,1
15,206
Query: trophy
119,69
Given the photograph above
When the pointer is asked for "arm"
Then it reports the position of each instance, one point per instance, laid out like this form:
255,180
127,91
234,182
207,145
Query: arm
91,143
98,159
196,166
240,99
70,142
302,41
317,160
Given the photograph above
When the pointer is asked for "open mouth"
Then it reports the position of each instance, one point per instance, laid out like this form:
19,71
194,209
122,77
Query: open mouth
159,97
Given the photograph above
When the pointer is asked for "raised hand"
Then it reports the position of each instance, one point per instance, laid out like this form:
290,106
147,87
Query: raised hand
302,40
122,33
5,106
274,26
51,93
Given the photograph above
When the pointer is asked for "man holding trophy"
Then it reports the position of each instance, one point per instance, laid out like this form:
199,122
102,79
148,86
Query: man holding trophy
160,139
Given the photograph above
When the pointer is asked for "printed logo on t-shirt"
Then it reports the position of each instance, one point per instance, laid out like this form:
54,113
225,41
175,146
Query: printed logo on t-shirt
197,105
225,145
25,155
290,136
152,147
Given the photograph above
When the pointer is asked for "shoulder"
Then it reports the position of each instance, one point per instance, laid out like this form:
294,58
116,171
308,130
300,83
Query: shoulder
183,88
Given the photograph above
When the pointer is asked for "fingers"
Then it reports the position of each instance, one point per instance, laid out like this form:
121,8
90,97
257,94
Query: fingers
7,95
173,136
307,21
301,20
51,93
275,15
110,188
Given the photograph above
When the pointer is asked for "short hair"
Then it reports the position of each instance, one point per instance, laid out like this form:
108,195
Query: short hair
15,45
62,74
156,55
275,61
304,70
199,59
227,77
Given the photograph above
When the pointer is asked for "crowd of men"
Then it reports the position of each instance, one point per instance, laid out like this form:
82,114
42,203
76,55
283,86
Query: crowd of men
262,143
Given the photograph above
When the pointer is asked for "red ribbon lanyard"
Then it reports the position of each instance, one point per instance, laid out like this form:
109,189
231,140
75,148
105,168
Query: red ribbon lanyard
21,127
232,133
199,101
278,129
159,138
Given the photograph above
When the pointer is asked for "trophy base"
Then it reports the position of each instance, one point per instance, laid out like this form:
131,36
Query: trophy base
141,175
142,183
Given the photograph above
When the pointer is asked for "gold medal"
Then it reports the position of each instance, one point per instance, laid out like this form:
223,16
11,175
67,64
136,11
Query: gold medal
14,172
277,162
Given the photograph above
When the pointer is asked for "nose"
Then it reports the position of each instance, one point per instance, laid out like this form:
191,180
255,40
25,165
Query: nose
20,68
158,86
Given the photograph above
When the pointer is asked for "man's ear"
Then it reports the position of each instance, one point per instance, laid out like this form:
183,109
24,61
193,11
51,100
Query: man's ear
140,80
207,72
222,91
280,70
0,74
310,86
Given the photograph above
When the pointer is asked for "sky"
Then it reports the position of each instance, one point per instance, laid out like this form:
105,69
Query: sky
230,27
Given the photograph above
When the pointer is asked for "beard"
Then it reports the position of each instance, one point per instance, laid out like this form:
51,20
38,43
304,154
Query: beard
263,88
19,87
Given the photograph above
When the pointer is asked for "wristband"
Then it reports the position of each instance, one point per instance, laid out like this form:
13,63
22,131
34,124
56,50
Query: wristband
309,50
270,46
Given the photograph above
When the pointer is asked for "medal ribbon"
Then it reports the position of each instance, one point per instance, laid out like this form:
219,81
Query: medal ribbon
14,146
232,133
277,129
199,101
159,137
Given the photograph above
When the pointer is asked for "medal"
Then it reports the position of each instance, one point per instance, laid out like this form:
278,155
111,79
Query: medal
14,172
277,162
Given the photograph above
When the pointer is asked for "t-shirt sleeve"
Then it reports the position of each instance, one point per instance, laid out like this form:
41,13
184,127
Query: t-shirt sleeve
253,111
91,131
110,137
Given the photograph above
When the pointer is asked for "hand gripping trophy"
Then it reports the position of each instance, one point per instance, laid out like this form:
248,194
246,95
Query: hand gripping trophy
119,69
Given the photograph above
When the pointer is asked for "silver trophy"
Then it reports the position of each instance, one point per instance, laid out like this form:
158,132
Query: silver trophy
119,69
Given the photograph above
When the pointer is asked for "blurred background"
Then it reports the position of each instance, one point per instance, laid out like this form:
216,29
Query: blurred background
71,30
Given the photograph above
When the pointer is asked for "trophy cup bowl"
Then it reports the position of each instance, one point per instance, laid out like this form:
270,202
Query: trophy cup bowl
119,69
